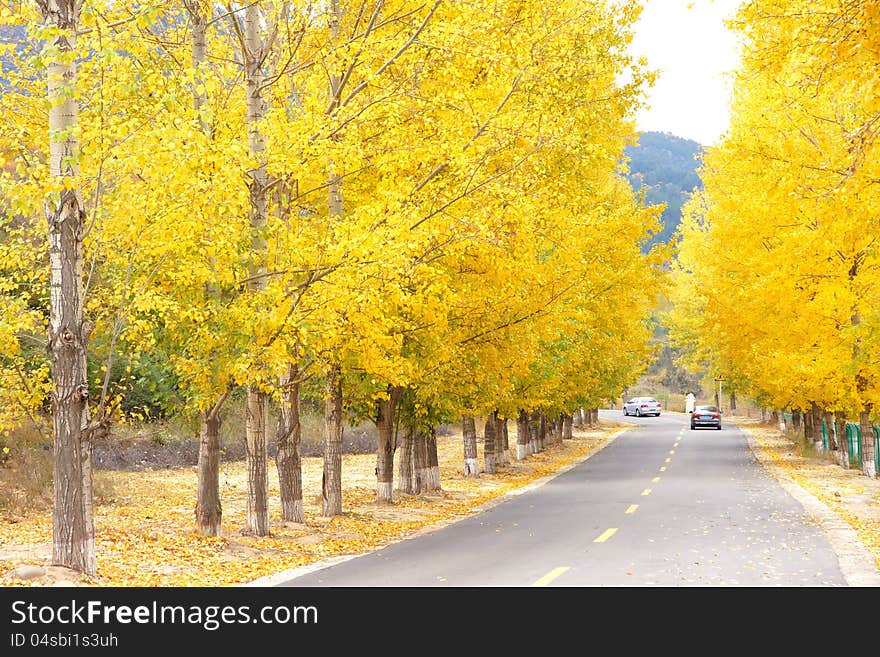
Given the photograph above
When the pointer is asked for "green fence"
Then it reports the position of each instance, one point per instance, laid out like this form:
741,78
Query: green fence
854,443
876,449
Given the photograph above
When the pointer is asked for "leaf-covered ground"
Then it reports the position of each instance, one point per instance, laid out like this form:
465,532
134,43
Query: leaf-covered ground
849,493
145,533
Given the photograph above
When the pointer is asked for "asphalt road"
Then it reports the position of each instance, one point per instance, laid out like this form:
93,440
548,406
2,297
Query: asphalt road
661,506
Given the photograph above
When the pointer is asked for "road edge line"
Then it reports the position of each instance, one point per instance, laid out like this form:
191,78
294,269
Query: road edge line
857,563
293,573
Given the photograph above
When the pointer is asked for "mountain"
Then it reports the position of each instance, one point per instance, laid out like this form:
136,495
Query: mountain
666,167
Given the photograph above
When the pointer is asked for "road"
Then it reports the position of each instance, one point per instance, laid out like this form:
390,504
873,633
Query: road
660,506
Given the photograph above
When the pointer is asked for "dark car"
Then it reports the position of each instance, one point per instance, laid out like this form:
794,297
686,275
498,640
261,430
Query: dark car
706,416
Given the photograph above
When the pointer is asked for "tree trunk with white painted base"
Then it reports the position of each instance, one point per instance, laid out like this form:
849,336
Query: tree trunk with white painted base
534,433
419,461
489,430
502,438
796,419
385,452
869,464
432,464
842,447
287,439
816,424
405,462
567,422
469,438
522,435
331,480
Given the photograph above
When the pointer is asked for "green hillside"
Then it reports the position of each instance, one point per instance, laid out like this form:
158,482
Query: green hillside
666,167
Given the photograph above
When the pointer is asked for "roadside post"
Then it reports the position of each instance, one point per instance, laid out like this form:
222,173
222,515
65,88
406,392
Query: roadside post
718,380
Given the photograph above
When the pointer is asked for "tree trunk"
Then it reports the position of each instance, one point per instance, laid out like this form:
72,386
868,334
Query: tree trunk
842,448
385,452
334,182
257,401
73,532
732,402
534,432
779,419
869,467
432,464
489,443
405,462
816,424
567,421
522,435
502,447
257,462
594,417
542,433
199,55
209,511
419,460
331,480
469,437
287,439
796,419
808,426
869,464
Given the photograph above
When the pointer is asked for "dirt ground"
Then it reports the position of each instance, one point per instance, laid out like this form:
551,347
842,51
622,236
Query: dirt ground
145,534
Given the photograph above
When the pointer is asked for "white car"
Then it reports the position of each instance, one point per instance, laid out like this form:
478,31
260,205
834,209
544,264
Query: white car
642,406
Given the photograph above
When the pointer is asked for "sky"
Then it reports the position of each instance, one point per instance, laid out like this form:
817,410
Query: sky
693,51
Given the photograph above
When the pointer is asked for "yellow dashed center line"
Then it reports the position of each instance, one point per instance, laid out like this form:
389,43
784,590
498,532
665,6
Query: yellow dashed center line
672,451
662,468
669,460
647,491
675,445
549,577
604,536
632,508
655,480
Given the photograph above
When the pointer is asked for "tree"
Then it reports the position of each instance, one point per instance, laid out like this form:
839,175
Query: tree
73,531
778,254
